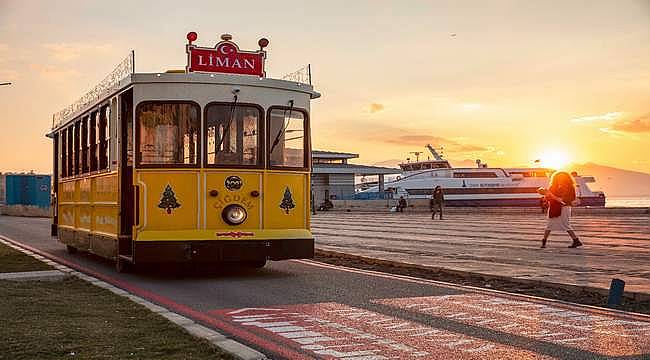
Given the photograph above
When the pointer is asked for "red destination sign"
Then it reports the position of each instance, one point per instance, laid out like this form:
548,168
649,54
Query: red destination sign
225,57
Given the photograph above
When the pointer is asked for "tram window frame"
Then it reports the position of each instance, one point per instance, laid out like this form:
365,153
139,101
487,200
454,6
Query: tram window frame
93,140
77,148
199,145
63,153
104,133
306,139
261,122
84,139
70,159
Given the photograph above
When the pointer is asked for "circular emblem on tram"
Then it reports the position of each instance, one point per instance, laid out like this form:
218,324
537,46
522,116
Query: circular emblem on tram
233,183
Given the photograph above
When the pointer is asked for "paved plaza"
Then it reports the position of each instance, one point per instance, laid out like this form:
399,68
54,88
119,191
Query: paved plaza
506,244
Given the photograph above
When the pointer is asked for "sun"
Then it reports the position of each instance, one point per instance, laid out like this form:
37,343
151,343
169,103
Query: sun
554,159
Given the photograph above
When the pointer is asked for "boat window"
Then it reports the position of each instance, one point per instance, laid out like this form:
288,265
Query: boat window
232,134
167,133
287,138
475,175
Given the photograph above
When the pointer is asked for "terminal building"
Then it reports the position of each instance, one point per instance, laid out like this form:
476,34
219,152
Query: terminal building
333,177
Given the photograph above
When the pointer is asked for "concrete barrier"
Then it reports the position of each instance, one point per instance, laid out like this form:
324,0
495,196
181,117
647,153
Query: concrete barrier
24,210
422,205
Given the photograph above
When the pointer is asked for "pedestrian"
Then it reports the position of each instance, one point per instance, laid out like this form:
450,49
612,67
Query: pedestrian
561,195
401,204
437,202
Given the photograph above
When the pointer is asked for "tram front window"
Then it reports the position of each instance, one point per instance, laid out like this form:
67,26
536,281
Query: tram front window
287,138
168,133
232,134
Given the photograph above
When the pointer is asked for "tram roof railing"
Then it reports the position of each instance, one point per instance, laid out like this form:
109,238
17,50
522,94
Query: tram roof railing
110,83
124,74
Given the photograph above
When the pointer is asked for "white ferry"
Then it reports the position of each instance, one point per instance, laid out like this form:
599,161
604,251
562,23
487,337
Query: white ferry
480,186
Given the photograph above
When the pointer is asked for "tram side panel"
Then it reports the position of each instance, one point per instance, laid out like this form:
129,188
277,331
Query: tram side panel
286,214
89,211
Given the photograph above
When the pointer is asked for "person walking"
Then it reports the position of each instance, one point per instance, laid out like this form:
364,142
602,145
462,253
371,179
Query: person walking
561,195
401,204
437,202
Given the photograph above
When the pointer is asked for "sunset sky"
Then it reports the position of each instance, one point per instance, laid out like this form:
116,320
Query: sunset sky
504,81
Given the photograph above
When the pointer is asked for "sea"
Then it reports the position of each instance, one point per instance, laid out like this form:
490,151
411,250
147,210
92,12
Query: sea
643,201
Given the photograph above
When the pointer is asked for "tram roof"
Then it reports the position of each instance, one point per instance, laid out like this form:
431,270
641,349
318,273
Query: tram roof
190,78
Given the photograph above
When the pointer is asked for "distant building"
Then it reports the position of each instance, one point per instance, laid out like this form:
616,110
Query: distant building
333,178
25,189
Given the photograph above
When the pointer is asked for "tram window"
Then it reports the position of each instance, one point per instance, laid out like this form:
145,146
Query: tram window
70,132
63,168
77,148
103,137
168,133
232,134
84,145
287,138
127,113
92,139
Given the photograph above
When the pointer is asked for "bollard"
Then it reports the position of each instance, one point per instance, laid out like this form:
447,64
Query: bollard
615,293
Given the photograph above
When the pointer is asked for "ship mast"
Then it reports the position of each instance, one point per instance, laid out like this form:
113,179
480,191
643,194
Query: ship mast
434,153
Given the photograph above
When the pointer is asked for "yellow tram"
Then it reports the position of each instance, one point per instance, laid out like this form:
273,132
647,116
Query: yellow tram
210,164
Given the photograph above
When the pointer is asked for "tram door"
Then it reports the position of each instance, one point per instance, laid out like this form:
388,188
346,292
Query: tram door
127,212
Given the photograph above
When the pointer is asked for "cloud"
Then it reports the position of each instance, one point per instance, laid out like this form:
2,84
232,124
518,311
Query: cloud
375,107
471,107
54,72
639,125
447,144
69,51
610,116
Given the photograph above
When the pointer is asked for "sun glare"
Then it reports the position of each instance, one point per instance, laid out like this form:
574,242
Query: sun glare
554,159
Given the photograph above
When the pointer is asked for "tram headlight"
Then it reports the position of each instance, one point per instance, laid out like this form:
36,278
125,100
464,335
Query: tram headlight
234,214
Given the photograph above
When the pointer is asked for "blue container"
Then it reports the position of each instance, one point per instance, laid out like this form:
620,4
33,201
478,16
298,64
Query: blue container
28,189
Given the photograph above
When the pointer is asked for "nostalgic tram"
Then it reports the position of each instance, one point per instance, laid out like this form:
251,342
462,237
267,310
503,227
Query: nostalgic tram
209,164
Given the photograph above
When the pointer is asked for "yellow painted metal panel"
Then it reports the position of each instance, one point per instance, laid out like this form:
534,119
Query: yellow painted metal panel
66,191
66,215
84,217
105,188
168,199
216,180
257,234
105,219
85,189
286,200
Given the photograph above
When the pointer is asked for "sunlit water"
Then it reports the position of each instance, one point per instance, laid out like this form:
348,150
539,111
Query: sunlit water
628,201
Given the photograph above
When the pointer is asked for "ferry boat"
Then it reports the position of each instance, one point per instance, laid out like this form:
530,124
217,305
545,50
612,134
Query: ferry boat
479,186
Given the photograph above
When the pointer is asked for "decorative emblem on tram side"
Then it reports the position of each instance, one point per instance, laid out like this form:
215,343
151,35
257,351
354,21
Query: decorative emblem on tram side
233,183
287,201
235,234
168,200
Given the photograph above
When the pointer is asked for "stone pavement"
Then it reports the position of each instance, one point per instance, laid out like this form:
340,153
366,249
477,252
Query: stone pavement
501,244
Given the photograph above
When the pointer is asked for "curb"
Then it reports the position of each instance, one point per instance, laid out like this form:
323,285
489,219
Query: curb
221,341
636,296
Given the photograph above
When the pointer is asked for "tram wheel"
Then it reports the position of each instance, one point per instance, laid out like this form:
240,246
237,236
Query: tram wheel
122,266
71,249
